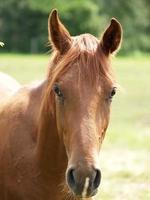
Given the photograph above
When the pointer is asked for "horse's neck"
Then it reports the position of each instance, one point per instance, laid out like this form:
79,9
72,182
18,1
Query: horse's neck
50,149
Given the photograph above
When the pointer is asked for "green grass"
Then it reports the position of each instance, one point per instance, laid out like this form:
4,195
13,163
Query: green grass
130,123
125,156
24,68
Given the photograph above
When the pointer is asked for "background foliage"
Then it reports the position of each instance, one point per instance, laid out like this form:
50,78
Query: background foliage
23,23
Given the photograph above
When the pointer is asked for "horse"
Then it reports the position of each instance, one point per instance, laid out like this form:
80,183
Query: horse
51,133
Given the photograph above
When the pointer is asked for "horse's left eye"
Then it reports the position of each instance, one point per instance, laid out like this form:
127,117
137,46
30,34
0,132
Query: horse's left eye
113,92
58,91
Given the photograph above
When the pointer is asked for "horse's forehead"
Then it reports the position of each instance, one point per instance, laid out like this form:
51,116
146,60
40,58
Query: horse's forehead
73,81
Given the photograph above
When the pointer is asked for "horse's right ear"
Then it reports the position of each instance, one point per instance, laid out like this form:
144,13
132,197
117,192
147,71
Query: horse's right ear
58,34
112,37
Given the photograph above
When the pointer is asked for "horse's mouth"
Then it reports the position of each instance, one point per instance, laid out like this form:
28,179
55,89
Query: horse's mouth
88,195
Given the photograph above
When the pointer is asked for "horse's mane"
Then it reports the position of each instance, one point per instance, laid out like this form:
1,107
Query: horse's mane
86,52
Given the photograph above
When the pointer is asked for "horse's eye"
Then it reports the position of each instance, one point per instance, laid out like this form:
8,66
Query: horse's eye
113,92
57,90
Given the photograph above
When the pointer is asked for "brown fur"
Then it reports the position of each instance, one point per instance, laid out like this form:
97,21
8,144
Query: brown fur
39,136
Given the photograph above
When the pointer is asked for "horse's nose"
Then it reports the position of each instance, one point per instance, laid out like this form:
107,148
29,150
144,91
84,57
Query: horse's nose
83,183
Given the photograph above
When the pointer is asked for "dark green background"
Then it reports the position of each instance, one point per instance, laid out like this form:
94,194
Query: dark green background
23,23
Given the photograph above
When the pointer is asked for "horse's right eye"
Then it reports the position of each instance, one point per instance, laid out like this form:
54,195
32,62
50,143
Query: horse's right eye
113,92
57,90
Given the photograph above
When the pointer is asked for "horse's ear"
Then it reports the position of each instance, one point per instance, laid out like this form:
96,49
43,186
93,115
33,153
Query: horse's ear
58,34
112,37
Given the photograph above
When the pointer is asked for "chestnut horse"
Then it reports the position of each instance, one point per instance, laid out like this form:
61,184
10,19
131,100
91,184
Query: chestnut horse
51,133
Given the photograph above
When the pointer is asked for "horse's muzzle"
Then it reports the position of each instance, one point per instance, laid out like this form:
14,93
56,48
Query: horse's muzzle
82,182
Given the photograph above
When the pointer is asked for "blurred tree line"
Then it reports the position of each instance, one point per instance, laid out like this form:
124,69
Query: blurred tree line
23,23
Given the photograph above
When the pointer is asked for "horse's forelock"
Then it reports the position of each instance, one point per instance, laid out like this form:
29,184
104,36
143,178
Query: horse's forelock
86,54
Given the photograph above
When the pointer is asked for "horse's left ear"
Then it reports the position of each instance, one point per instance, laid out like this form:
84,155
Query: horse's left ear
58,34
112,37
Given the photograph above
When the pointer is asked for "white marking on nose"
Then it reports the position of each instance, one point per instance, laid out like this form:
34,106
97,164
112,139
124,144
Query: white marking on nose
86,185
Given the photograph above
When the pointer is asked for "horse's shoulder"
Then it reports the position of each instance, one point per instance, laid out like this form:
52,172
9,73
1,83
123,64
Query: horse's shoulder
22,107
16,119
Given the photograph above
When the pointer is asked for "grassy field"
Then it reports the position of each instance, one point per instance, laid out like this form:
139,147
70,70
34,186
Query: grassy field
125,156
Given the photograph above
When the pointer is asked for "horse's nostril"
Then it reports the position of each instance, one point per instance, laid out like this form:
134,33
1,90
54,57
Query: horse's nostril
71,178
97,179
76,179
